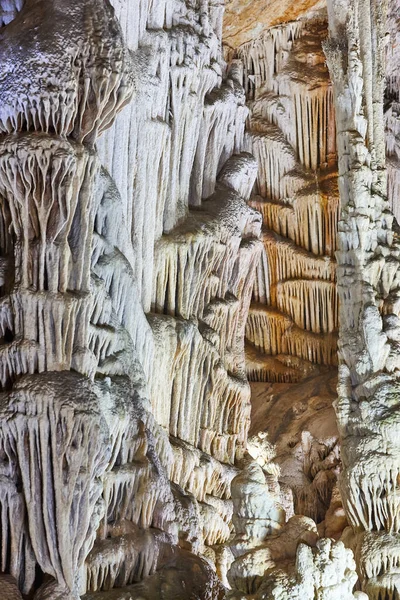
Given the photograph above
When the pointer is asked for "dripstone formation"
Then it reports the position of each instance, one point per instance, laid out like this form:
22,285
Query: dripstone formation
197,242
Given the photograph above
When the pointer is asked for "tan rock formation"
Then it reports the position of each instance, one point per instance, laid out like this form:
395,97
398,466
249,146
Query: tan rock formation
298,422
244,21
293,319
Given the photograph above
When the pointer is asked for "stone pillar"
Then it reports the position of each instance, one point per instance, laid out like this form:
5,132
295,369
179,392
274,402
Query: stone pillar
368,286
66,73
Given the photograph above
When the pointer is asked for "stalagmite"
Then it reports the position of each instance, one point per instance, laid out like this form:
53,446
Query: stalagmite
274,559
328,572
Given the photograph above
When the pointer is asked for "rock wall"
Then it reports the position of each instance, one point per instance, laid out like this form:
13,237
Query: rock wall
301,426
286,497
124,400
291,331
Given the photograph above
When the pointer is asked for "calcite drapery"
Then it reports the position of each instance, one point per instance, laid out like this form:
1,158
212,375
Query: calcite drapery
54,440
124,297
293,319
47,175
99,496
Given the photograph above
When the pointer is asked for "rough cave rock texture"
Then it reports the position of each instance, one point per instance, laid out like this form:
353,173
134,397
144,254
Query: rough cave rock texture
171,235
368,268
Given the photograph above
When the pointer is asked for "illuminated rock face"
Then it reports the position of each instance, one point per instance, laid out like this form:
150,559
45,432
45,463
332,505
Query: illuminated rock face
124,401
245,21
292,325
147,235
367,288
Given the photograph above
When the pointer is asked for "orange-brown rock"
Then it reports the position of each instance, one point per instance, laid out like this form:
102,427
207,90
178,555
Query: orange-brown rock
245,20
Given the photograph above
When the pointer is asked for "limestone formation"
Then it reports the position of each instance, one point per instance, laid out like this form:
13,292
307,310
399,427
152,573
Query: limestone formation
94,493
170,231
300,425
292,323
367,286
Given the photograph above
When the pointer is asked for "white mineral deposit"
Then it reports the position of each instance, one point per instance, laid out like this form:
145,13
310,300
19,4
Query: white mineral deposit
199,300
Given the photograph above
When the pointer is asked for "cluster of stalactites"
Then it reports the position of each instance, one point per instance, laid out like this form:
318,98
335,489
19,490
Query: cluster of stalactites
90,470
47,174
288,83
63,309
83,249
186,120
204,272
291,132
264,57
194,269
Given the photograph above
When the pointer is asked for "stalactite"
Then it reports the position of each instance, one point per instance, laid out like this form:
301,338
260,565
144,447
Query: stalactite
15,540
213,415
264,57
308,218
205,252
68,108
75,445
288,261
224,113
191,575
279,335
200,474
205,269
54,470
107,565
393,169
311,304
291,131
275,157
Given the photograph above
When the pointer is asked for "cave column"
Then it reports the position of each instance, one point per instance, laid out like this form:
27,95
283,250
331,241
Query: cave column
68,74
367,407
